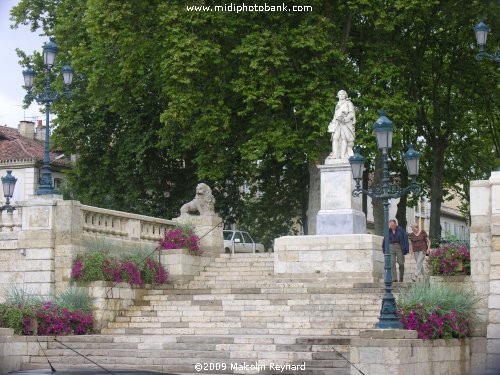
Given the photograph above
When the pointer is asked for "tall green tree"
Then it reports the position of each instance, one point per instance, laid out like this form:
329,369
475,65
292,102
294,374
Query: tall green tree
165,98
419,57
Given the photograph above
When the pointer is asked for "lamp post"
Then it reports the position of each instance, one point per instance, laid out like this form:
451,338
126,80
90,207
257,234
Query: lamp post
383,130
481,30
47,96
8,184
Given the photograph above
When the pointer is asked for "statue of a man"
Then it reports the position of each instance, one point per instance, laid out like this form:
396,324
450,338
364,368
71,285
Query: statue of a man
342,127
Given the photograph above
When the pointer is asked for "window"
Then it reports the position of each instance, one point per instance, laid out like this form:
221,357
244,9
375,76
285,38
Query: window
237,236
58,182
247,238
227,235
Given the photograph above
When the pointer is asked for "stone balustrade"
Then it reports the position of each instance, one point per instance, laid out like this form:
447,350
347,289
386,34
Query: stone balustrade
103,222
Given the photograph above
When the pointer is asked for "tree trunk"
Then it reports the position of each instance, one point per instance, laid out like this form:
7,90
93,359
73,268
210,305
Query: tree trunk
403,202
364,196
438,150
401,212
378,207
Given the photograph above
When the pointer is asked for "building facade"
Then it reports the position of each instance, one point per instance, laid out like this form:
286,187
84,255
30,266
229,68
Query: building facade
21,150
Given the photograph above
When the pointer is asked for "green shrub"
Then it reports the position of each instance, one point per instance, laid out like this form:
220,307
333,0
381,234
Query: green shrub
13,316
93,266
74,299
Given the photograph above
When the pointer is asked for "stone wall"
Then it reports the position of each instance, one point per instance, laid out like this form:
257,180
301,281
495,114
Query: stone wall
485,270
399,352
181,265
39,242
111,298
355,257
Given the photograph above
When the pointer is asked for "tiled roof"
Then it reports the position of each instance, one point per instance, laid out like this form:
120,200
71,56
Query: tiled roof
16,148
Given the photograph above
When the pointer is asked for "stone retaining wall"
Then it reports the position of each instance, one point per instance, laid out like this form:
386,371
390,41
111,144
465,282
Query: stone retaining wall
111,298
399,352
456,280
181,265
350,256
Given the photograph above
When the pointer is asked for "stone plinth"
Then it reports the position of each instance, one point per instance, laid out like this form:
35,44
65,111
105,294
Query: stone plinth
399,352
181,265
209,229
355,257
340,212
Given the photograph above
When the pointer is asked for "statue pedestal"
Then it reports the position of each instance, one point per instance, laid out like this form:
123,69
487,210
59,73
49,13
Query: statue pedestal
209,229
340,212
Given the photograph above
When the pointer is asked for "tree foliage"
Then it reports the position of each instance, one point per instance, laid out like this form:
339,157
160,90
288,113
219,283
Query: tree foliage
164,98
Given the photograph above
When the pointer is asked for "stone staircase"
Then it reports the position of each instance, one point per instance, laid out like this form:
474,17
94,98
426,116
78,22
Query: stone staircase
235,311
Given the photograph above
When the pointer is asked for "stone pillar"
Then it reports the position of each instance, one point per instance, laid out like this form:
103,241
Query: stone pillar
340,212
67,240
480,244
36,241
485,271
493,330
209,229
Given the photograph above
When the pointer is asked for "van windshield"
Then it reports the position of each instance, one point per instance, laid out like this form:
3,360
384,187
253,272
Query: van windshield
228,234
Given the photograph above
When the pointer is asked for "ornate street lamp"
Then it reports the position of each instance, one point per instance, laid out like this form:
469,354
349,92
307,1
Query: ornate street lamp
47,96
383,130
481,30
8,185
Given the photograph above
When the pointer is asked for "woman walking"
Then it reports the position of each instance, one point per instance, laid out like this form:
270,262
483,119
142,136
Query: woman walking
420,245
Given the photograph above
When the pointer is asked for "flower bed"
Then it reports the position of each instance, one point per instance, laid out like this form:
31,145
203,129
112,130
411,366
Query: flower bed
136,270
437,311
182,237
434,323
448,259
28,314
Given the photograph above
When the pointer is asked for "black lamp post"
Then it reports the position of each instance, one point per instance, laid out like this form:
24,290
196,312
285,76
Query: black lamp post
481,30
8,184
47,96
383,130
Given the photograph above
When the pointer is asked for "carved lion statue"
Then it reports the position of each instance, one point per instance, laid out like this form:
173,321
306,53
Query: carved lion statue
203,203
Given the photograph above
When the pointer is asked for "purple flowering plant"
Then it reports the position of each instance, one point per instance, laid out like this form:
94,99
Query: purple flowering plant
53,320
450,258
182,237
134,270
432,322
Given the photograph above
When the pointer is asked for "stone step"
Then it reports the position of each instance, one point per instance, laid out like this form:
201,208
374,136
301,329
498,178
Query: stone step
211,330
179,354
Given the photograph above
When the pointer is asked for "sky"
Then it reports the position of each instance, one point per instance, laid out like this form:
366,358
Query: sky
11,78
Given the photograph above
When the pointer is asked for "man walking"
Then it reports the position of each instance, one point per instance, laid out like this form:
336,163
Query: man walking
399,246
